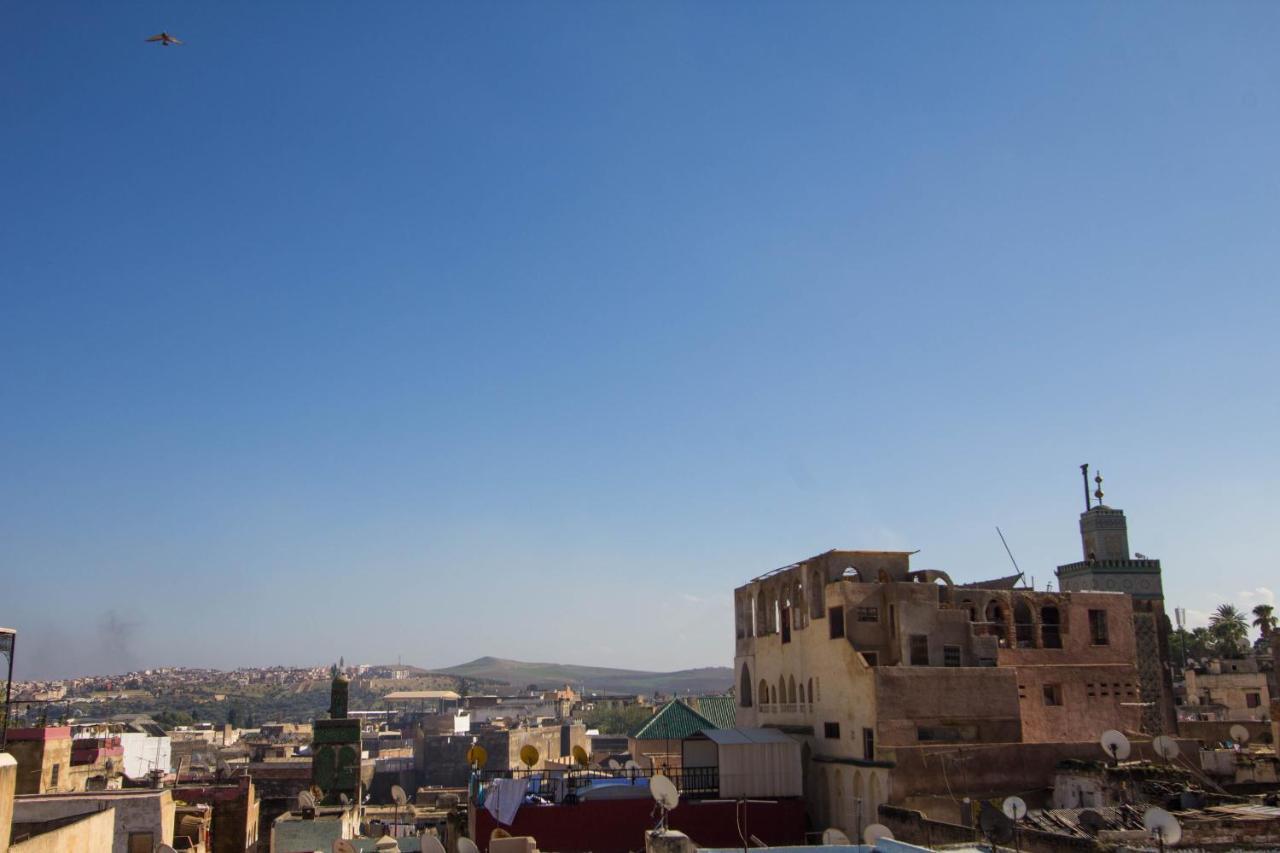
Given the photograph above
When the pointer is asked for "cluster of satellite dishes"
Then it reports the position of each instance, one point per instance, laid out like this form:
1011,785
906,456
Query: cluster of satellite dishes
870,835
1155,820
615,764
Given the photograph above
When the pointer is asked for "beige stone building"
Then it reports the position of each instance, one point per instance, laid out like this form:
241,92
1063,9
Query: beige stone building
1227,690
875,666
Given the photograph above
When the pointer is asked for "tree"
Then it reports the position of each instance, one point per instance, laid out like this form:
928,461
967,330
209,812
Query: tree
1264,620
1190,646
1230,631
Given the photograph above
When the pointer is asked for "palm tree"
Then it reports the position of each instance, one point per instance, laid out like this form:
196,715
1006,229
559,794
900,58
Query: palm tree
1229,629
1264,620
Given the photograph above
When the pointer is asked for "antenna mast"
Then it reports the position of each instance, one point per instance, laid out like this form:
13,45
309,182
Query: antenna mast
1007,551
1084,473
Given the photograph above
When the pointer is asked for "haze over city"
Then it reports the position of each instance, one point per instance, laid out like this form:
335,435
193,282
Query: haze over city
427,332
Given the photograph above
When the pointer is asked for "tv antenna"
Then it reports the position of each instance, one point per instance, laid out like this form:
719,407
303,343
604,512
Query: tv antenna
834,836
665,794
1007,551
1162,825
1116,745
875,832
1166,747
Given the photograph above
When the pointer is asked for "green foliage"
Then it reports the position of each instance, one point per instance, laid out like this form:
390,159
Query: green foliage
1264,620
1230,631
618,721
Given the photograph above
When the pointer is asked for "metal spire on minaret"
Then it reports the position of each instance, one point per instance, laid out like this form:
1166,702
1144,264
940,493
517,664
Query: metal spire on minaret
1098,494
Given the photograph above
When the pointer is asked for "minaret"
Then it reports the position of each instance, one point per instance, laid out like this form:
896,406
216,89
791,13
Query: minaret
1104,532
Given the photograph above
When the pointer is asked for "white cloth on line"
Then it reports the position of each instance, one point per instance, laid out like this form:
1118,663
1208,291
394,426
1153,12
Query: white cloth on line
505,798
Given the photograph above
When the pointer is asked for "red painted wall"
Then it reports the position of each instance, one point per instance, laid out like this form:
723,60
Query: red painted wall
617,826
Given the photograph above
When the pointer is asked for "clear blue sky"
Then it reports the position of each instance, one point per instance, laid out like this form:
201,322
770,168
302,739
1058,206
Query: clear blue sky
532,329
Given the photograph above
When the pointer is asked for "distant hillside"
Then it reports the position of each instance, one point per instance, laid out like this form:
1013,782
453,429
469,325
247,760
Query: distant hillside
518,674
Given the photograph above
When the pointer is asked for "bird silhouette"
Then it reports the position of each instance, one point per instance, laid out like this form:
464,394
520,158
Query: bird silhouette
164,39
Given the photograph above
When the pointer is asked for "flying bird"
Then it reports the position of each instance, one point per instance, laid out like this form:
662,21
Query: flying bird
165,39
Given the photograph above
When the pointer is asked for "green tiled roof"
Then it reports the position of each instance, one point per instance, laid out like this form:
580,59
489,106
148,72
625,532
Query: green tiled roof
675,721
720,710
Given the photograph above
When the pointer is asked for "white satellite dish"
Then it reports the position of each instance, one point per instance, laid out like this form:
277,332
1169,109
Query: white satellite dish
306,800
431,844
1239,733
1115,744
466,845
1165,747
1162,824
664,791
398,794
1014,808
614,765
632,765
875,832
834,836
344,799
342,845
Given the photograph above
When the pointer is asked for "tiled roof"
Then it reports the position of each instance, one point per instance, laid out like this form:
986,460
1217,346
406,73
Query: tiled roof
675,721
720,710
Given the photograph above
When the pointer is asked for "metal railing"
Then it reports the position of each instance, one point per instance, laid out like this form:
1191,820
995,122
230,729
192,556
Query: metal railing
563,784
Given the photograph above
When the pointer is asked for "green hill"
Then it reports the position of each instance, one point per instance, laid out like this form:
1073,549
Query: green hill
518,674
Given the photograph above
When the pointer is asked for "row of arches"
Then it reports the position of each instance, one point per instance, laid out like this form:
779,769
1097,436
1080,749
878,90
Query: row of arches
848,798
1022,623
786,691
789,600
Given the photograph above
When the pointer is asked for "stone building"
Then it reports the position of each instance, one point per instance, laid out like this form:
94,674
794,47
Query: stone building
871,662
1226,690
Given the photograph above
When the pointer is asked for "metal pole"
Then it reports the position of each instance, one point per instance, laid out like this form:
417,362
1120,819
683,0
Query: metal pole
8,689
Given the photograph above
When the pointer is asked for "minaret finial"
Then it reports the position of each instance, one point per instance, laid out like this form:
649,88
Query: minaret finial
1098,494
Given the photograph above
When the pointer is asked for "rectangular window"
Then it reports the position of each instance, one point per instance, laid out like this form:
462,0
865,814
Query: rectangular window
1053,694
53,775
1098,627
869,744
1252,700
831,731
868,614
919,649
835,622
141,842
950,655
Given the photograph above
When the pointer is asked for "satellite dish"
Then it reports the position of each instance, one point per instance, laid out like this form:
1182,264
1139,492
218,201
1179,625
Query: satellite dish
398,794
1239,733
344,799
580,756
342,845
834,836
306,800
632,765
875,832
1162,824
1014,808
529,755
466,845
664,791
1115,744
614,765
1092,822
1165,747
995,824
431,844
477,755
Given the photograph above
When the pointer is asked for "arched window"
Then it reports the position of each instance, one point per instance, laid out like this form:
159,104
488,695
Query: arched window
1050,627
802,693
782,689
995,616
811,697
773,695
1023,628
791,689
744,687
817,605
764,691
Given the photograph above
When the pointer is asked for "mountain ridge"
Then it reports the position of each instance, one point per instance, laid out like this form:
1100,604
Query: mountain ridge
519,674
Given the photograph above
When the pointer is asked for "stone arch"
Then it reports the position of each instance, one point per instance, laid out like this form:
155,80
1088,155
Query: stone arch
744,687
791,689
1051,626
817,603
1023,624
837,800
764,692
820,800
967,604
994,614
773,695
782,689
762,618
